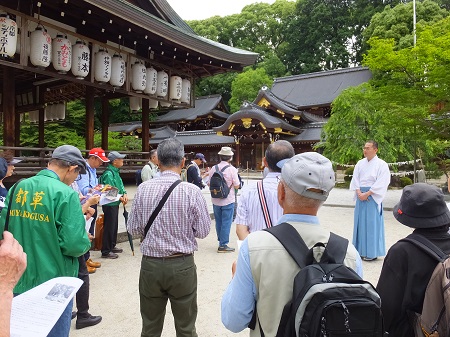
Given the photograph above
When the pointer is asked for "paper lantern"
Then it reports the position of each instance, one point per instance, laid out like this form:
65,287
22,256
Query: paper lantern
135,103
33,116
41,47
61,54
102,72
138,76
186,91
117,71
175,88
48,113
162,85
165,104
153,103
81,58
152,81
8,35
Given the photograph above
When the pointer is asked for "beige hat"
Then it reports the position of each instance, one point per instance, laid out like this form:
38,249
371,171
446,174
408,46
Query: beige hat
226,151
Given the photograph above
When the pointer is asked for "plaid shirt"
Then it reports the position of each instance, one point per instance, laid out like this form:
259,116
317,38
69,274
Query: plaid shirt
183,217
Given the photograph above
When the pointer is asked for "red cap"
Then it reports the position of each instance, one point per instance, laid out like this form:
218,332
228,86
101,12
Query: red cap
100,153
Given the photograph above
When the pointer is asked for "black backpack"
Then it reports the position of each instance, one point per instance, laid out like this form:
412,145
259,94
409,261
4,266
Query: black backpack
329,299
218,185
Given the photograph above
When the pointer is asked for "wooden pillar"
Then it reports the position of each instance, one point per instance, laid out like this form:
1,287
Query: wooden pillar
90,110
17,129
145,126
9,106
238,155
41,95
105,122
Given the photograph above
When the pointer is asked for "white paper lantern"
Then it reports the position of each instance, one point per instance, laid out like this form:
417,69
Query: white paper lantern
175,88
48,113
117,71
165,104
102,72
135,103
162,85
138,76
8,35
153,103
61,54
186,91
59,111
81,59
152,81
41,47
33,116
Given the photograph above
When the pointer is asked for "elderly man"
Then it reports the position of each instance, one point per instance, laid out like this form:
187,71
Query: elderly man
265,271
258,205
111,176
150,170
371,178
168,269
194,174
407,269
86,183
46,218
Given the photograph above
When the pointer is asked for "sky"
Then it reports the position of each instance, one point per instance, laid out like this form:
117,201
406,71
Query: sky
204,9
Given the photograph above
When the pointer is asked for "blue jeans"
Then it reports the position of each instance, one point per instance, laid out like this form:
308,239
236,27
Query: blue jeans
224,217
62,326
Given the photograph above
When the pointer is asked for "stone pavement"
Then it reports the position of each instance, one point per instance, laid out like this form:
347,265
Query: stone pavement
114,287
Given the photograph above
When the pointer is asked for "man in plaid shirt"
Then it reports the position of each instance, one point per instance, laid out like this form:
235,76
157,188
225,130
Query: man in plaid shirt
168,269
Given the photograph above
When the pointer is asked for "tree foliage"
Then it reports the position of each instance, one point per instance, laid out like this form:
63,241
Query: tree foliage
404,107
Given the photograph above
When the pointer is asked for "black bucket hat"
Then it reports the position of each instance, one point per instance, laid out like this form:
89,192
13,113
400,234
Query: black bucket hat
422,206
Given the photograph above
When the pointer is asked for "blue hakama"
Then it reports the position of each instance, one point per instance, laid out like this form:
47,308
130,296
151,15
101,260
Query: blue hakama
368,232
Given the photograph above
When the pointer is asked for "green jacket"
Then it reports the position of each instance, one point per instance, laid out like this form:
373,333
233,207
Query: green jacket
47,220
111,177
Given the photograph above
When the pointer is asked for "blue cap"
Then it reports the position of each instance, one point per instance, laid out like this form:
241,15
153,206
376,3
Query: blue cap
200,156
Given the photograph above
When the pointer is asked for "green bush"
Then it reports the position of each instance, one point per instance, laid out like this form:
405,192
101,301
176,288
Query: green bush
348,173
405,181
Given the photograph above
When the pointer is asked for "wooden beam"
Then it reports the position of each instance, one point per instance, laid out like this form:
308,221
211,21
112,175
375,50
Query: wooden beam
90,117
145,126
9,106
105,122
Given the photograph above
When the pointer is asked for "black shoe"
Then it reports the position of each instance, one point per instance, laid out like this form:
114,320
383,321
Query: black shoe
369,258
117,250
74,314
225,249
110,255
85,322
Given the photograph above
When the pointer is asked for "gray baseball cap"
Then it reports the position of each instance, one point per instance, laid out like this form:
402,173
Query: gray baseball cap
309,170
113,155
72,155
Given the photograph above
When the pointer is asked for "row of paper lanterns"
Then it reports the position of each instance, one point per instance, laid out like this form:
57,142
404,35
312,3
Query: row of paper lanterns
66,57
136,103
52,112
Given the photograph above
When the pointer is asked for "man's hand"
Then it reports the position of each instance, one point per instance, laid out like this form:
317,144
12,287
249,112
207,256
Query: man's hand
93,200
13,262
124,199
89,213
363,196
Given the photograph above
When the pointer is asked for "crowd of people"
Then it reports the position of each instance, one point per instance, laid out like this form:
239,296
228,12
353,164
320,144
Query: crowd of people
45,235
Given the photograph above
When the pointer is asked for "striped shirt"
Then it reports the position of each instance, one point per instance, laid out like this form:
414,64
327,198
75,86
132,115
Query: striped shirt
249,212
183,218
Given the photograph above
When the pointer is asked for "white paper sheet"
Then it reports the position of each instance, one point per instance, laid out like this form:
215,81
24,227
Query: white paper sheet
35,312
88,223
106,200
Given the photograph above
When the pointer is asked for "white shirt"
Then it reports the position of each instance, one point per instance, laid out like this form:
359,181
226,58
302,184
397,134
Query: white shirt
249,212
149,171
372,173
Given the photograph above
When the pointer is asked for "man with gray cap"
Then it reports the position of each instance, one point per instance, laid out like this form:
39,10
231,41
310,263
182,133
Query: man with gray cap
111,176
46,219
407,269
264,273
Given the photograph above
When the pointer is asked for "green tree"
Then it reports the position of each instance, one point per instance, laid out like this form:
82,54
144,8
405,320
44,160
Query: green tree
246,86
397,22
404,107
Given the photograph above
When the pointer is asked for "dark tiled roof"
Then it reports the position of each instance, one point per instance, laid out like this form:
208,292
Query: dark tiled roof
318,89
313,132
204,106
125,127
201,137
253,111
174,31
286,107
